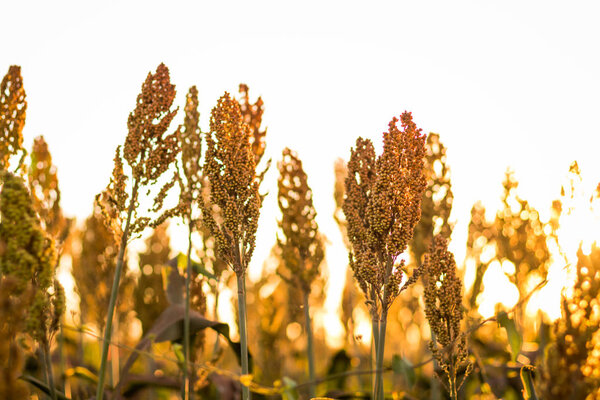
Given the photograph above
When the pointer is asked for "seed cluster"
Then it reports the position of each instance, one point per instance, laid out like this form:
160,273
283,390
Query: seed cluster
302,246
252,116
443,308
382,207
27,254
148,151
12,115
190,141
232,213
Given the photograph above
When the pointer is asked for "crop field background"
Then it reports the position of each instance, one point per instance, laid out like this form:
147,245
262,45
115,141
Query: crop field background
334,200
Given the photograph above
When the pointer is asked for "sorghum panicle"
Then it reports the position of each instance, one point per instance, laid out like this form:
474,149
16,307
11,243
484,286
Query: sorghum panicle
302,246
252,116
230,168
148,151
12,115
382,207
443,308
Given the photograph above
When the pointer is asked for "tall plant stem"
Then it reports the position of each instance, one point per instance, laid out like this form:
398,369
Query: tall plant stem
309,348
49,373
380,353
241,284
113,294
215,312
435,385
374,347
185,388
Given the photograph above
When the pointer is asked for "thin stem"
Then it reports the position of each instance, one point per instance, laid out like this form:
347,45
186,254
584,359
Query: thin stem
215,315
113,295
380,353
241,284
309,348
435,385
49,374
374,347
185,388
61,352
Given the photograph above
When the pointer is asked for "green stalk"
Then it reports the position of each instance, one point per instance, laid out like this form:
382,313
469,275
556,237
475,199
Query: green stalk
113,295
380,353
241,284
185,387
374,348
309,349
49,374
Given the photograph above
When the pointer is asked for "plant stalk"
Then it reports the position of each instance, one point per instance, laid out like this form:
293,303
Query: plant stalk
380,353
185,388
113,295
309,348
49,373
241,284
374,347
215,316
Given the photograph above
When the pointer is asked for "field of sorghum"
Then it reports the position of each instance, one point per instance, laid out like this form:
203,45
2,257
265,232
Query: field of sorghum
428,339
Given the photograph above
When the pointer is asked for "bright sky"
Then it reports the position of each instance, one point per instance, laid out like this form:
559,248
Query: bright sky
505,83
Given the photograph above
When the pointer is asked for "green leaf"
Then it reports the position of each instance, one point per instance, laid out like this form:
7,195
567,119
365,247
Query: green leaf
289,391
528,388
403,367
82,373
514,339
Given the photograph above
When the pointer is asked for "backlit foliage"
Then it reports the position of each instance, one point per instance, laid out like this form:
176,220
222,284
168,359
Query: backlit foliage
436,204
382,207
481,234
520,236
13,309
231,214
571,368
93,270
302,246
12,115
149,295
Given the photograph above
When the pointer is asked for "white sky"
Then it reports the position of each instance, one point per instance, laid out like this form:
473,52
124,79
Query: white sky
504,83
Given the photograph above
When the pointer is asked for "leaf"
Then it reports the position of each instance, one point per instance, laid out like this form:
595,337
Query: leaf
402,367
82,373
289,391
42,386
514,339
168,327
528,388
246,380
340,363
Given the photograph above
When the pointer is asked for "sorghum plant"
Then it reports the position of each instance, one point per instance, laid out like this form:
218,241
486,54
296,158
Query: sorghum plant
302,247
149,152
571,368
252,116
444,310
29,257
382,207
231,214
12,116
481,233
190,181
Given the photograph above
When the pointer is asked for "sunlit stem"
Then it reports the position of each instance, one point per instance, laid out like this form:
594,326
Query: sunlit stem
215,315
241,285
113,295
185,388
379,359
309,348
